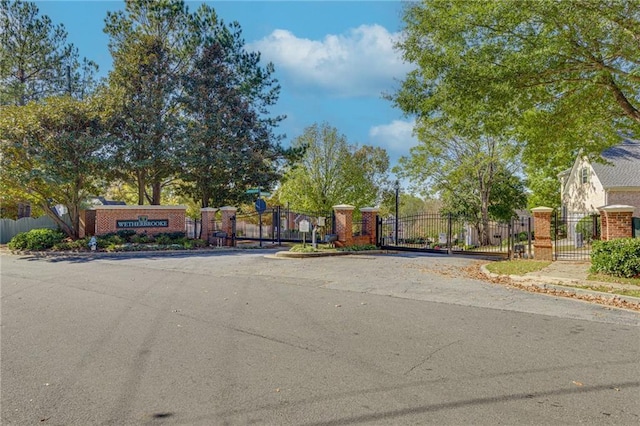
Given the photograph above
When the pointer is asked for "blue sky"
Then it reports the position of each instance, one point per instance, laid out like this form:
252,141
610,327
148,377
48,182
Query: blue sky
333,59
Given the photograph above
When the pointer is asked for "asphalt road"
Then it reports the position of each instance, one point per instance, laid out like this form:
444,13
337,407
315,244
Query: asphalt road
240,338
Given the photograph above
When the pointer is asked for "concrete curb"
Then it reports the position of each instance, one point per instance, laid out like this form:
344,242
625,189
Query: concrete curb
563,284
297,255
107,254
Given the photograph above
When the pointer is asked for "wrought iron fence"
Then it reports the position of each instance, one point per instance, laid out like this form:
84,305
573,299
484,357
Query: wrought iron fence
573,234
447,233
279,224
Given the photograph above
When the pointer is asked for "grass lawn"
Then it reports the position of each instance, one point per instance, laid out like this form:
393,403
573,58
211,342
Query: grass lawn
517,266
611,279
606,289
521,267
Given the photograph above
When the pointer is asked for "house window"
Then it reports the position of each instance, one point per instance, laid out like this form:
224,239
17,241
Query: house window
584,175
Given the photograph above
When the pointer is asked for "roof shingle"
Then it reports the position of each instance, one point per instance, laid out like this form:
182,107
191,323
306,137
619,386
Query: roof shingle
622,167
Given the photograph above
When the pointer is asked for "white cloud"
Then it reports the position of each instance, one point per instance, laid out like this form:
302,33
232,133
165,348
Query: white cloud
396,137
362,62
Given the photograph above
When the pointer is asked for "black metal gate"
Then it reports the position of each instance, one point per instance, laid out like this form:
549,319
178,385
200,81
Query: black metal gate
280,224
573,234
446,233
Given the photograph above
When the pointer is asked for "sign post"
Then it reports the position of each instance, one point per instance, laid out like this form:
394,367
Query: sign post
261,206
303,227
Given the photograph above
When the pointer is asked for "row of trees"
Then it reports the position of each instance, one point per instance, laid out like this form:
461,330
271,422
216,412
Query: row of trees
498,92
185,105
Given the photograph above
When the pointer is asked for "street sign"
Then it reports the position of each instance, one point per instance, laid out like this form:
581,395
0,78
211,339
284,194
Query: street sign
261,205
303,226
253,191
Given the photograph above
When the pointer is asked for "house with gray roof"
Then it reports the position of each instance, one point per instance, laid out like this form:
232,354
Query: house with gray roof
613,180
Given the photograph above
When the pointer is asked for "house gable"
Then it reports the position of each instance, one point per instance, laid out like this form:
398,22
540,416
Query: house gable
589,185
582,191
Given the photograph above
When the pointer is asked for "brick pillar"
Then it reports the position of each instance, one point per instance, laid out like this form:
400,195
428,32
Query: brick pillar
82,223
208,217
87,226
228,216
616,222
369,217
543,250
344,224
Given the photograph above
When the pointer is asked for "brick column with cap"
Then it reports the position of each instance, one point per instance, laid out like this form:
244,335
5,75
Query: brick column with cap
543,249
228,216
369,217
344,224
616,222
208,215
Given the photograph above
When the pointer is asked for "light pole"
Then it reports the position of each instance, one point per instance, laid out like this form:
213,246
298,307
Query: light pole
397,187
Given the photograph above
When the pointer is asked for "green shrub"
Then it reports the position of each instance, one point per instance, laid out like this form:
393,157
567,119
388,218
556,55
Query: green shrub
620,258
141,239
172,237
36,239
109,240
192,244
585,227
299,248
68,244
163,239
126,234
363,247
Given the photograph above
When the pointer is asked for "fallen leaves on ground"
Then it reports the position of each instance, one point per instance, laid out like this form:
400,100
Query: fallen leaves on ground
474,271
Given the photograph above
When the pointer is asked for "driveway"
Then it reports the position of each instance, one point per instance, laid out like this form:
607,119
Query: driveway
240,338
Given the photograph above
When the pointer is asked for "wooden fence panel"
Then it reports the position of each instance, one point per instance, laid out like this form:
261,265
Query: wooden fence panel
9,228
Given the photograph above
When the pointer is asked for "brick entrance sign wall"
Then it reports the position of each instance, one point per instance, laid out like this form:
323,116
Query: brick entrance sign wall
142,219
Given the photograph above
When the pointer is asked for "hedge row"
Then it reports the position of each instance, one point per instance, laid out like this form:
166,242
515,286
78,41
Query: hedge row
620,257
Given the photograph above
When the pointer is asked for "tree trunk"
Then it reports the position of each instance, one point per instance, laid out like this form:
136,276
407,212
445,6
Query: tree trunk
140,178
156,192
61,223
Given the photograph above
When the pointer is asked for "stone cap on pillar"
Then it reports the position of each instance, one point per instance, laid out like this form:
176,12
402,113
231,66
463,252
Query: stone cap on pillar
228,209
542,210
344,207
617,208
209,209
369,209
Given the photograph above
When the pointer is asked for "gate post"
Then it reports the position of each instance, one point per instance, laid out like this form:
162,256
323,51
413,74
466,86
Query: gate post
344,224
208,217
369,220
228,217
616,222
543,250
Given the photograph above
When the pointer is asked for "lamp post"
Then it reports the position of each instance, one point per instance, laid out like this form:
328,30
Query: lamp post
397,187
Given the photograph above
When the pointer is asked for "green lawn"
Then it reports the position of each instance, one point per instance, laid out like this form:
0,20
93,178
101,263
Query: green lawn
612,279
517,266
521,267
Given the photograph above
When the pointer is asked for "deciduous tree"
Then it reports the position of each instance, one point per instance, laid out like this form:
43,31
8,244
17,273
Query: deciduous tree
52,153
474,175
332,172
557,75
